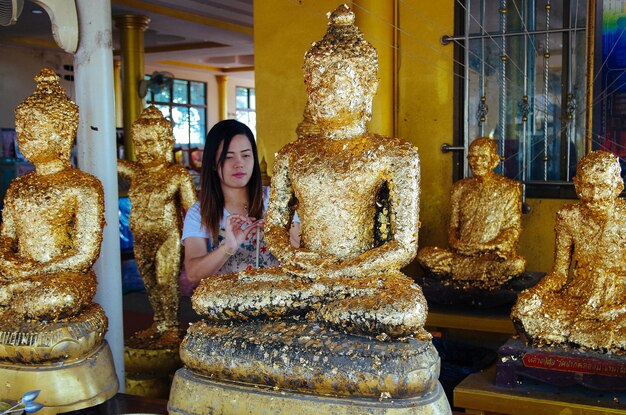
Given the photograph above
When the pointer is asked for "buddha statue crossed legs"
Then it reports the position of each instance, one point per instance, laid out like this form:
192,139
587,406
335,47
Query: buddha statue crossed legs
52,217
51,333
485,225
357,196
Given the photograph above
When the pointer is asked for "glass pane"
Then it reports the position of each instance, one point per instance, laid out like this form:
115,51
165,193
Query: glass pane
165,110
198,96
162,94
610,90
180,92
248,118
242,98
197,126
531,102
180,115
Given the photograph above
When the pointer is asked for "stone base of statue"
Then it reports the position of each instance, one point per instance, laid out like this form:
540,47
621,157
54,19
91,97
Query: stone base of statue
446,291
68,360
66,386
149,372
305,368
151,358
560,366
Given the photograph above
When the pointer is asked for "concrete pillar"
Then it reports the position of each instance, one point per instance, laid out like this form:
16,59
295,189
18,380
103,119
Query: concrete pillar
132,51
222,101
97,154
377,21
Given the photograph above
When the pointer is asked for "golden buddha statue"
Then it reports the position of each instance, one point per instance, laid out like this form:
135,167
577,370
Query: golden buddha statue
583,299
327,321
51,234
158,190
357,196
485,226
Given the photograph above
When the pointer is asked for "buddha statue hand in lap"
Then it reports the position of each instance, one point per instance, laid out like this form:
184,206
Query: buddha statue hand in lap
52,218
357,197
485,226
582,300
158,190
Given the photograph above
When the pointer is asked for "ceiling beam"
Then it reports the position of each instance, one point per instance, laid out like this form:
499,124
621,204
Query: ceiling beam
205,67
177,47
183,15
32,41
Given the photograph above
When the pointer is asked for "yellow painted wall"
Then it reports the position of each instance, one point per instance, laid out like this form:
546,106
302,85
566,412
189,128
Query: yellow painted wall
283,31
425,111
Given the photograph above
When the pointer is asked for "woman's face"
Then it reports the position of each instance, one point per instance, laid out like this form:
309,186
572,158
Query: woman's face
238,165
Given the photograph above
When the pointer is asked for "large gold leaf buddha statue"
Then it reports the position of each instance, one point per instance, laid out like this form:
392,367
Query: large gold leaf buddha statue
582,301
485,226
51,234
327,321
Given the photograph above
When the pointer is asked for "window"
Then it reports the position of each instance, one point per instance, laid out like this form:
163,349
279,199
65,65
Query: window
521,80
184,103
246,107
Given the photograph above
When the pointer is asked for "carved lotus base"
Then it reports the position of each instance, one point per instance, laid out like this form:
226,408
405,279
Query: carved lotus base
65,387
34,342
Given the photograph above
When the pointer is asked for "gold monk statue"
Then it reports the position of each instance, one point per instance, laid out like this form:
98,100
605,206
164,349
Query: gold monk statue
357,197
485,226
583,299
52,218
158,189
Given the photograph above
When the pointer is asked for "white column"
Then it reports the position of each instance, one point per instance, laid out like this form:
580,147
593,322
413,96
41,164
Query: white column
97,154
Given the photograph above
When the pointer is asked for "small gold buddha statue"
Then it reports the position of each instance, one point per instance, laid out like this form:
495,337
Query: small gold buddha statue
485,226
158,190
582,300
51,234
337,318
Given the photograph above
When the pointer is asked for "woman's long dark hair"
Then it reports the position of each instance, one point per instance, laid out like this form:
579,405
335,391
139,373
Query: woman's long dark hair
211,196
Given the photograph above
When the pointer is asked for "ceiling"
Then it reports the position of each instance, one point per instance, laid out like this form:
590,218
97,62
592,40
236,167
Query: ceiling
196,35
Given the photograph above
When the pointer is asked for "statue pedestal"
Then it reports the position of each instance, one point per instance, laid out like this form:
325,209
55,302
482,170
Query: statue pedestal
149,372
211,397
66,386
560,366
451,292
303,367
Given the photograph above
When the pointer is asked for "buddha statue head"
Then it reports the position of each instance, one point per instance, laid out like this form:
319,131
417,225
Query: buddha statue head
482,156
46,122
598,180
153,137
340,74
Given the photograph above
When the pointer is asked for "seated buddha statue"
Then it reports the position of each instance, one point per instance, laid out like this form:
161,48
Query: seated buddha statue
357,197
337,317
582,301
485,226
51,235
158,190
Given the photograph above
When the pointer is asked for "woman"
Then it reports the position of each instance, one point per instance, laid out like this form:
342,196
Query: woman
220,230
